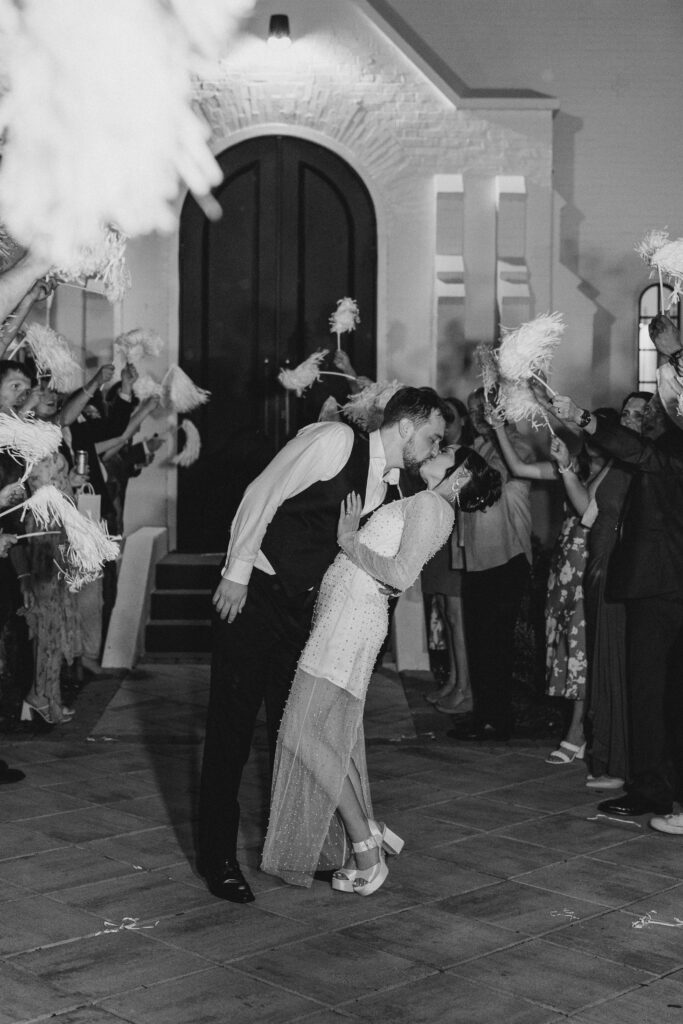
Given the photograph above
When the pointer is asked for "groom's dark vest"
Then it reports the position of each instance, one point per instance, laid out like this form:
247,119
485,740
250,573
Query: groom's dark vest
301,540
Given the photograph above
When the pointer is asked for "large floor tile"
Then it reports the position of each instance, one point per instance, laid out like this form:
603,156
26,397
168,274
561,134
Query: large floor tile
24,997
155,847
20,841
566,980
661,1003
525,911
652,851
326,910
108,963
656,949
483,813
227,932
445,999
498,855
33,921
216,996
435,935
330,971
26,804
567,832
593,880
144,894
85,825
49,872
418,877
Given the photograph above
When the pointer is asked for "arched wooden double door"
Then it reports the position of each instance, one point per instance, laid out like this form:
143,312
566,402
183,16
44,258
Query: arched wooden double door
257,289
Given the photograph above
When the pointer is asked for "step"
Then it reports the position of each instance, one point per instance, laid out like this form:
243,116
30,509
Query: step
178,635
188,571
180,604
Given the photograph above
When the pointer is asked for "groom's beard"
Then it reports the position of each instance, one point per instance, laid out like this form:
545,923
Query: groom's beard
410,459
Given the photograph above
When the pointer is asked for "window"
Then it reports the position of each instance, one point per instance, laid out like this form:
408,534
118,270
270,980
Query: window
648,307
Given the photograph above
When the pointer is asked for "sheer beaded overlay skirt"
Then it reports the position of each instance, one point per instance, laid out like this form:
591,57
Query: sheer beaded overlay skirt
321,734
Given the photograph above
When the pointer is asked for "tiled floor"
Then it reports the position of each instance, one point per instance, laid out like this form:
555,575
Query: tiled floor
511,902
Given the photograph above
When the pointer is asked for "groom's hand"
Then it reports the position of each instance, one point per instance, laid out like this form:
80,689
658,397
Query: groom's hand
229,599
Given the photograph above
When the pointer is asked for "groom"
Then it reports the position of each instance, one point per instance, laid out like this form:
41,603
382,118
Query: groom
283,538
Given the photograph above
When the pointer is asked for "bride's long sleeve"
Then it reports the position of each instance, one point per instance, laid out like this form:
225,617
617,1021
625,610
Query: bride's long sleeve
428,521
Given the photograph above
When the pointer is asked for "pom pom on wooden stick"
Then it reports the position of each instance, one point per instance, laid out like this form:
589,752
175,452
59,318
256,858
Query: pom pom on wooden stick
303,375
193,445
665,258
180,391
53,357
344,318
28,440
366,409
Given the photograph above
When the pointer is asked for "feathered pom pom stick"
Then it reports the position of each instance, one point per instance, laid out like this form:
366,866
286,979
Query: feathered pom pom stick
47,505
488,368
104,260
517,401
135,345
28,440
147,387
665,258
77,82
366,409
344,318
181,393
10,251
192,447
53,357
303,375
526,353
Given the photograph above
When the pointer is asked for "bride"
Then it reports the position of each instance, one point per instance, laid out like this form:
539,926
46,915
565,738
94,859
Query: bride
321,812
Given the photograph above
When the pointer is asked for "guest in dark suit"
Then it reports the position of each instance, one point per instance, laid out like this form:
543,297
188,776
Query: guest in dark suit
646,573
283,538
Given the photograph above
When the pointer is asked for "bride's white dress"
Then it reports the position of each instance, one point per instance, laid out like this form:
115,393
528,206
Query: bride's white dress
321,736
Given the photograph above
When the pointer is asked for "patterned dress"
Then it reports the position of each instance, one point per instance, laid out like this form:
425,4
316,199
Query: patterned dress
321,736
565,623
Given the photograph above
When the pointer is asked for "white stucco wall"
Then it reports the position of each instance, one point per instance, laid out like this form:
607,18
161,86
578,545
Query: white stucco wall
615,68
346,85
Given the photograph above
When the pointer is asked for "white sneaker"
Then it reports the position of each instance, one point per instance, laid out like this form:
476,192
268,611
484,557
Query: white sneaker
671,823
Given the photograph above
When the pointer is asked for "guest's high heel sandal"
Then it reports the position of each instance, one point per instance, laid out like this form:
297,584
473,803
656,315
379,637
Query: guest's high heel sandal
368,880
28,710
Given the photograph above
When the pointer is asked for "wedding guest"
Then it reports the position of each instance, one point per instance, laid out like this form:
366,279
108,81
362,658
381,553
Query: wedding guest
565,627
283,538
646,573
441,583
497,548
320,803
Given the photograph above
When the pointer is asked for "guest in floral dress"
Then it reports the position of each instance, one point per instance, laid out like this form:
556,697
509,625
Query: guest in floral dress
51,612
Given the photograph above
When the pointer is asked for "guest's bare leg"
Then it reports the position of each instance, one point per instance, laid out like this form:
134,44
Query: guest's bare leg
356,823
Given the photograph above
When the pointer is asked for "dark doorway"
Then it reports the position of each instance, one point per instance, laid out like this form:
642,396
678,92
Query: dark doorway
257,289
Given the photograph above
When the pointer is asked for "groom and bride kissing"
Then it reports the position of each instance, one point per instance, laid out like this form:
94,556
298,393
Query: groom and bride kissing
321,540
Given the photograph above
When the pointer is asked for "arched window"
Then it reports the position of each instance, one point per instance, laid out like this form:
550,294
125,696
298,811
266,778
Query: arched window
648,307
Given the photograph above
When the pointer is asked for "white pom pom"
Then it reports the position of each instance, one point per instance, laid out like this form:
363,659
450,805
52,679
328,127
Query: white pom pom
147,387
48,506
665,257
181,393
90,545
366,409
516,401
527,351
27,439
104,260
192,447
488,367
345,317
53,356
303,375
99,118
136,345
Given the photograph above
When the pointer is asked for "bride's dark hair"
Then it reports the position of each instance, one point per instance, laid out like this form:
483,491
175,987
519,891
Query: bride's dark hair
484,487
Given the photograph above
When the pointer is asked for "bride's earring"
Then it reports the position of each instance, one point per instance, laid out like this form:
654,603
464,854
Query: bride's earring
456,487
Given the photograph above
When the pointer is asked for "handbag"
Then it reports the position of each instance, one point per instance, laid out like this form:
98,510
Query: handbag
89,503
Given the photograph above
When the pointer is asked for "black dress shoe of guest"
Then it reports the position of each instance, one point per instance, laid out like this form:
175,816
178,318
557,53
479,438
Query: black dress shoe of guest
228,883
8,774
630,806
478,733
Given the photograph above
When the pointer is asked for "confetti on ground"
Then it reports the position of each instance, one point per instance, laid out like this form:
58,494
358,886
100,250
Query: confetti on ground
619,821
128,924
571,914
647,919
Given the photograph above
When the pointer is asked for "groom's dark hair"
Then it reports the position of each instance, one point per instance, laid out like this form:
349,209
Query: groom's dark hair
416,404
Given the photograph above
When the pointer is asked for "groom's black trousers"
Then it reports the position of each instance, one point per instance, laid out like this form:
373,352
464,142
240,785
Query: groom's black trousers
254,660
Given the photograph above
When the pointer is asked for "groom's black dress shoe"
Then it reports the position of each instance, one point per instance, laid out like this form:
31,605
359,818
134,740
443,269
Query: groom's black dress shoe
228,882
632,806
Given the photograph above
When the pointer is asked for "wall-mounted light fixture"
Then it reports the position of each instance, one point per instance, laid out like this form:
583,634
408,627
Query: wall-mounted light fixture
278,31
